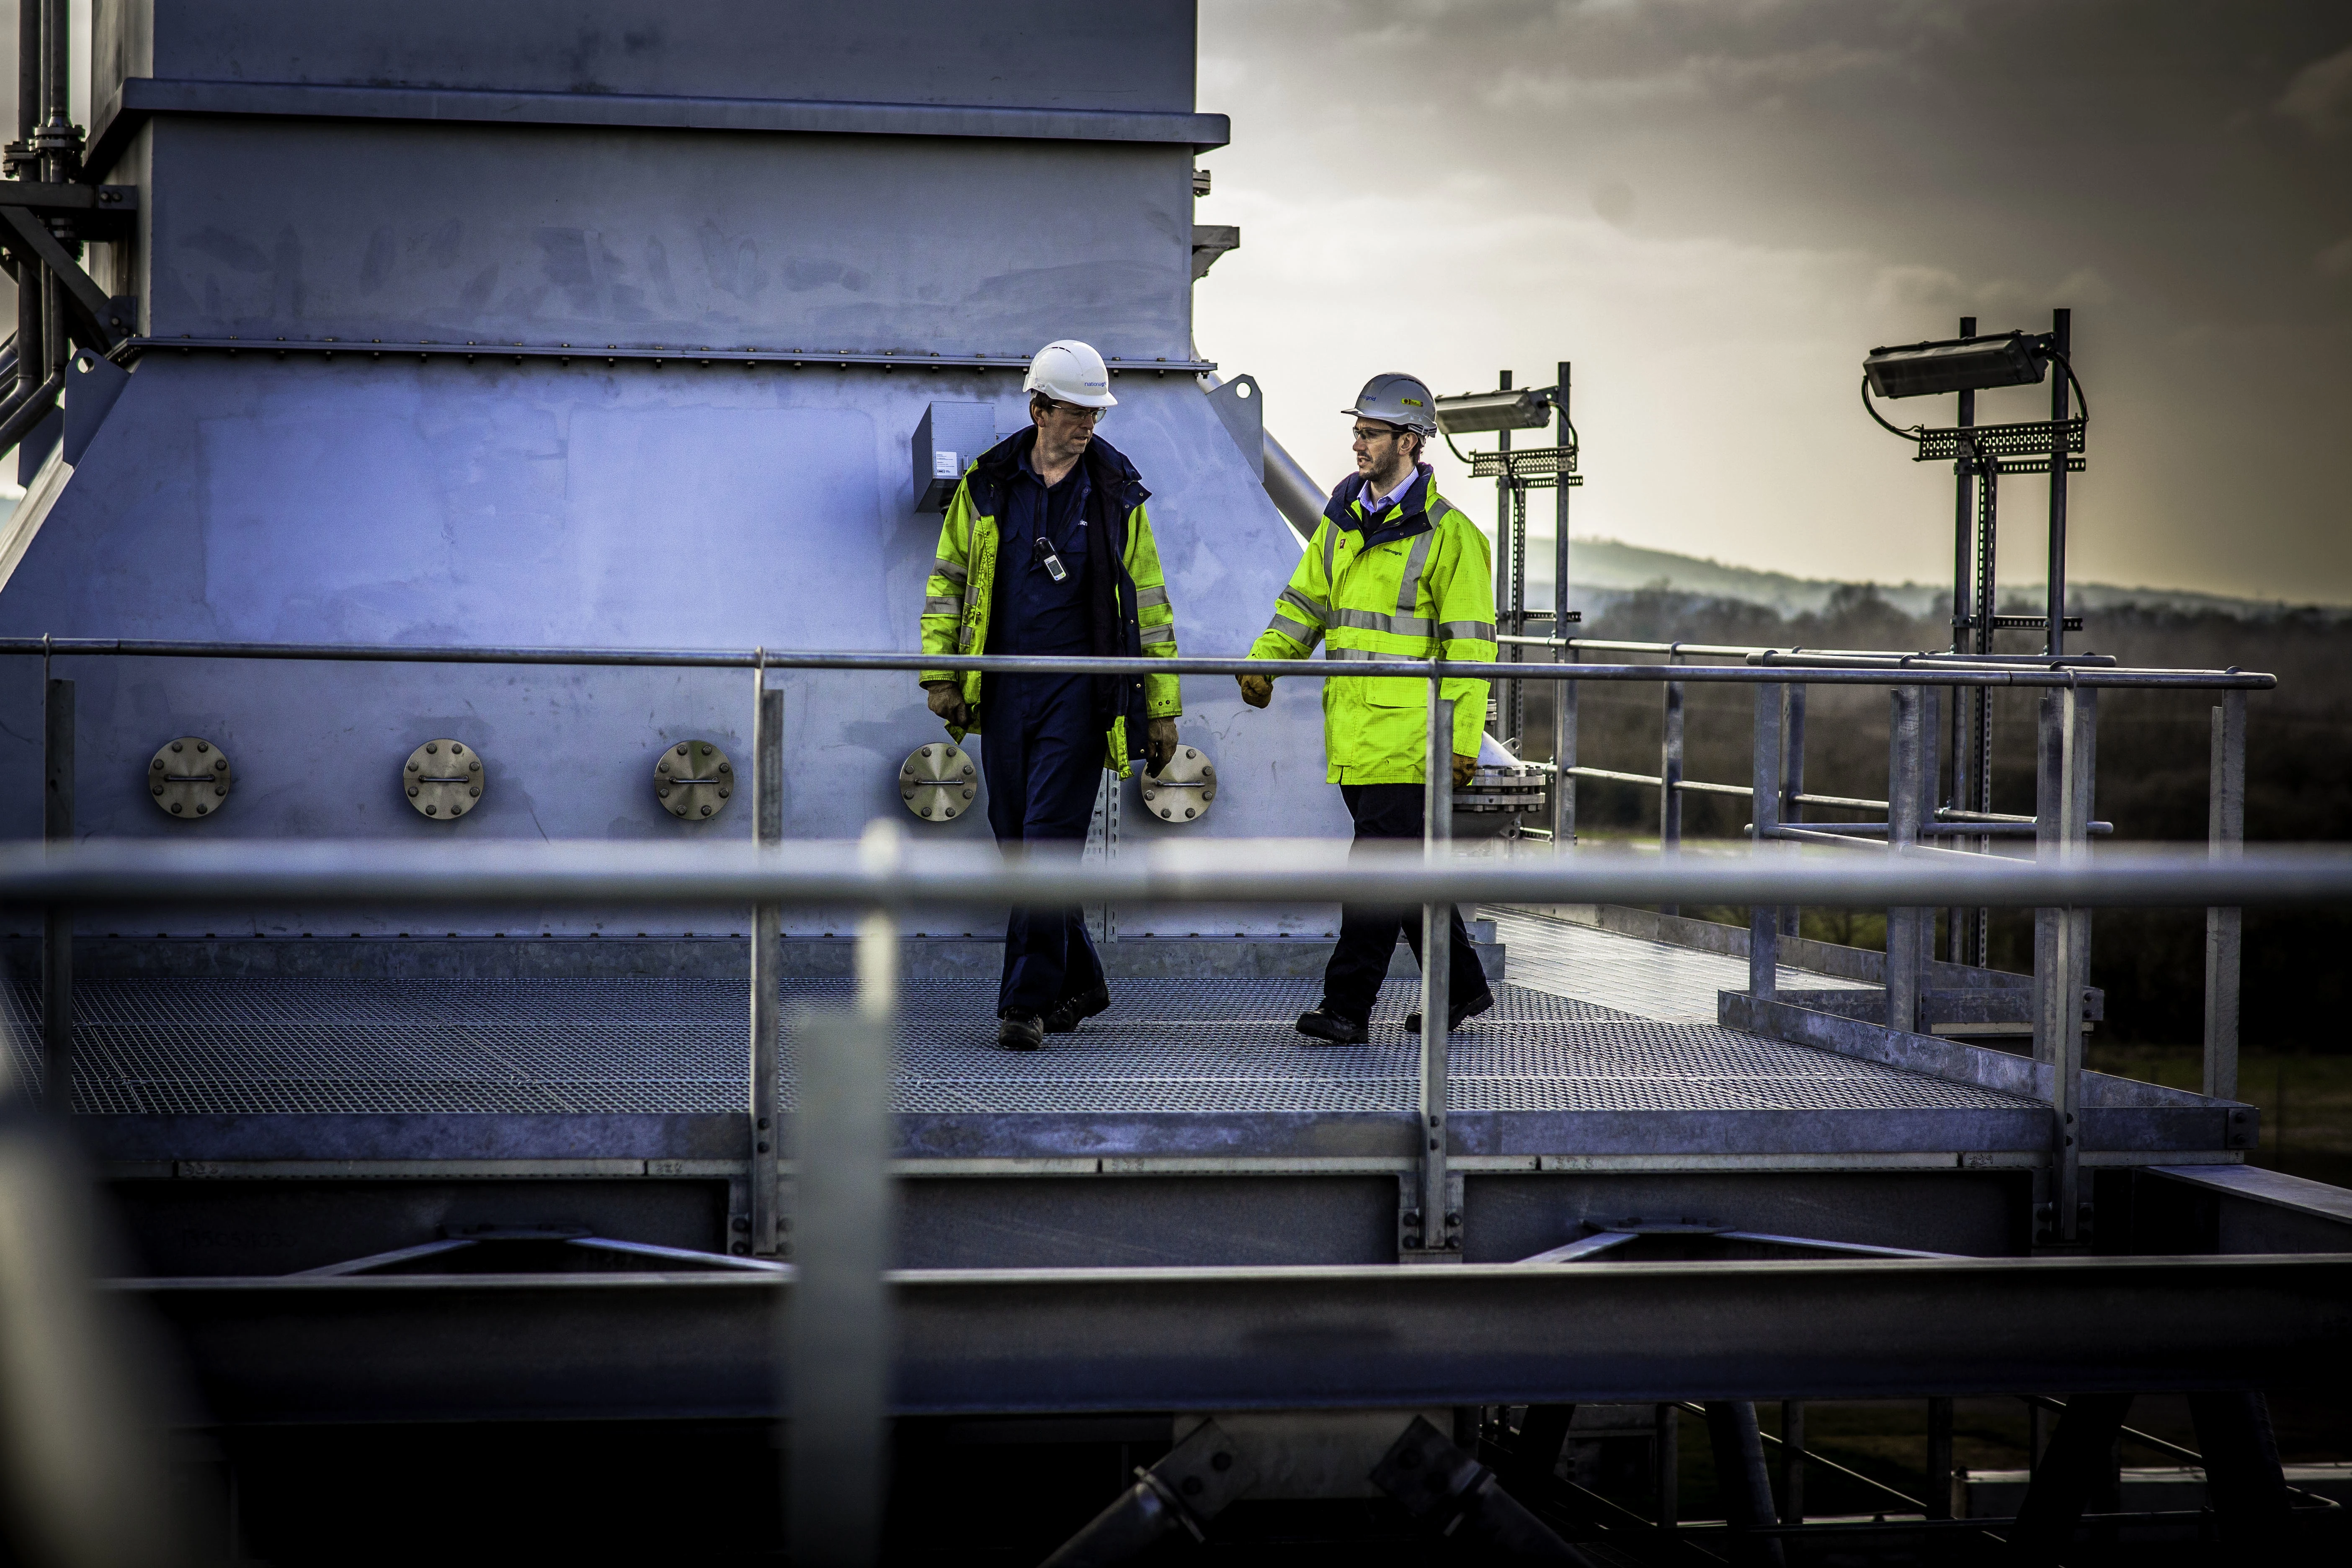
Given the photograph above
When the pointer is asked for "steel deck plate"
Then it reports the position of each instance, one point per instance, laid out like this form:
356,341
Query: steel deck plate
639,1046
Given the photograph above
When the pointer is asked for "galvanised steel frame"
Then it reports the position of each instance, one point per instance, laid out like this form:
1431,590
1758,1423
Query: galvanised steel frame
845,1353
860,1342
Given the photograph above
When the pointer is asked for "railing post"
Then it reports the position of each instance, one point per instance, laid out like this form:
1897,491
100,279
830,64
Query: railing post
1670,770
837,1353
2071,727
2049,785
58,920
882,848
1506,557
1563,755
1793,785
1766,771
2226,837
1564,705
1440,1226
1904,756
1931,763
767,958
1670,777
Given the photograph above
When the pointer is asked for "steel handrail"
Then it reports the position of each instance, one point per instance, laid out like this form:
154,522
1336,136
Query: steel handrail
1013,664
1742,650
129,872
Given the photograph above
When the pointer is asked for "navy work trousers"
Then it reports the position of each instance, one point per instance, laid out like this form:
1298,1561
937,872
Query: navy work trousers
1368,932
1042,753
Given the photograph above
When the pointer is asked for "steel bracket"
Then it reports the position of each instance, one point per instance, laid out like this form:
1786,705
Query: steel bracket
94,314
1412,1234
95,211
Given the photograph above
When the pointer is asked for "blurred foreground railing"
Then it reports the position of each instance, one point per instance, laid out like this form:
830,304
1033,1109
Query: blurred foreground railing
839,1334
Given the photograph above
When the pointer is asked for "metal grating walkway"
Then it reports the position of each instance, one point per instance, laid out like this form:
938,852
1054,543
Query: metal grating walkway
1649,979
604,1045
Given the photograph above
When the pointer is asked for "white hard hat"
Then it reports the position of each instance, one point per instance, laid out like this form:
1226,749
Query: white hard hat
1397,399
1068,371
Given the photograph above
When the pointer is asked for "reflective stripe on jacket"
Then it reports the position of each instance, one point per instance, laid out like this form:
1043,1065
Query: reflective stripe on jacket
1136,618
1421,589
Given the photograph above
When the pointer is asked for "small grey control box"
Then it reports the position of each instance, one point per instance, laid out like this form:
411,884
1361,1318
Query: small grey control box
950,436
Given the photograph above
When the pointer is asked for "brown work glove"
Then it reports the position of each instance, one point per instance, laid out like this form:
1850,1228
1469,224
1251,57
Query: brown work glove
947,701
1464,767
1159,744
1257,690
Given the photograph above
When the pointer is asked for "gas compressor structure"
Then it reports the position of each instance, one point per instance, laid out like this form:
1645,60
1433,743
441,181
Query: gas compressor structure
485,897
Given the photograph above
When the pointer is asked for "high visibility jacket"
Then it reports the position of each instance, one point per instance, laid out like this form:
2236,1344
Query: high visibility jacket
1413,582
1126,596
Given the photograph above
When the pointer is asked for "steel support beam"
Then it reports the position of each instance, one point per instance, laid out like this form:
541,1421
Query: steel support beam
2065,1478
2245,1482
395,1347
1793,1461
1742,1484
2061,337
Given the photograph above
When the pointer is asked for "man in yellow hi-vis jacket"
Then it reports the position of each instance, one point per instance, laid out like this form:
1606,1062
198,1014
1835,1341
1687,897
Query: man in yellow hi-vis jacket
1046,550
1395,572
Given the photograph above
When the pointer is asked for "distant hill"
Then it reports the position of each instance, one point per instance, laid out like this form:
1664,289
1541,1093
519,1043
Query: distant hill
1611,567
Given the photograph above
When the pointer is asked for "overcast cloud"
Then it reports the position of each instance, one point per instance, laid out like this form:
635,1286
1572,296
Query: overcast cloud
1713,208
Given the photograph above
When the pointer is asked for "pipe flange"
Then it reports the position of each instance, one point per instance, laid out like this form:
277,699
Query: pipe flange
1513,787
1182,791
188,778
694,780
937,782
443,778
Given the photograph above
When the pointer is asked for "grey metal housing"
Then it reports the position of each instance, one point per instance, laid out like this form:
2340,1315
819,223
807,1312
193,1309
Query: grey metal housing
933,187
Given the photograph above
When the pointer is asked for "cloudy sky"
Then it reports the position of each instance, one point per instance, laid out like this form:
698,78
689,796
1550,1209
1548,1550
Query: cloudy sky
1713,208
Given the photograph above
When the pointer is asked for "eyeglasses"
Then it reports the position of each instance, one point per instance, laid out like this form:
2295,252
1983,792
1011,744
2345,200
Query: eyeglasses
1075,412
1369,435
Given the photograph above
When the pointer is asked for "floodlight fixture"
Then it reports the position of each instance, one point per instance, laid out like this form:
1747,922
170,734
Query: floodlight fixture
1957,364
1470,413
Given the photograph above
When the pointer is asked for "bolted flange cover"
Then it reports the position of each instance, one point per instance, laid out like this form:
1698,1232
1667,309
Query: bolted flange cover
1182,791
694,780
443,778
188,778
937,782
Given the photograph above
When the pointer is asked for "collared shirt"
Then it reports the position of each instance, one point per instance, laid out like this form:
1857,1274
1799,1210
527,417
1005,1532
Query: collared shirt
1374,507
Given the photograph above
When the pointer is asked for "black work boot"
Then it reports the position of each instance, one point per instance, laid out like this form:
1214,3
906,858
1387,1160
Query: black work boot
1453,1015
1065,1015
1020,1031
1332,1028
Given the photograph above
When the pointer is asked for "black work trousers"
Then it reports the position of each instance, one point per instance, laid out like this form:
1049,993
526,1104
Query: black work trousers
1042,754
1368,932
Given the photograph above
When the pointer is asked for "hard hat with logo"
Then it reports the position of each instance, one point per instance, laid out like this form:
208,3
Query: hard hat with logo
1068,371
1397,399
